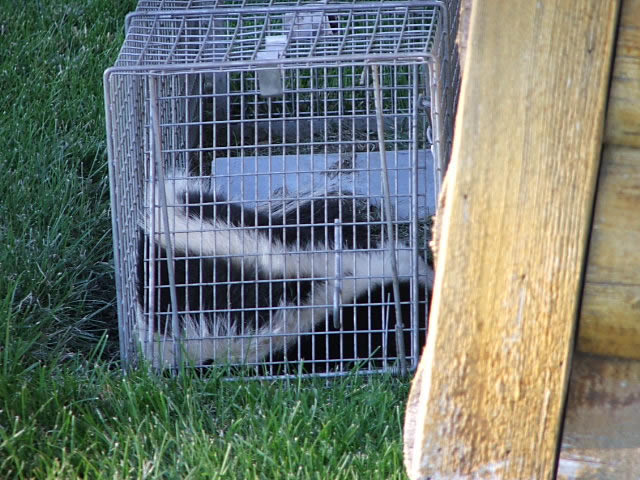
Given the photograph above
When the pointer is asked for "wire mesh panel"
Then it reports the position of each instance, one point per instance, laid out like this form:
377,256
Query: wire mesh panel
272,174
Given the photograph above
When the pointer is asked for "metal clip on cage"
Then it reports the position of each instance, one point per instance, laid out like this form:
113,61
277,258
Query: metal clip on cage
273,168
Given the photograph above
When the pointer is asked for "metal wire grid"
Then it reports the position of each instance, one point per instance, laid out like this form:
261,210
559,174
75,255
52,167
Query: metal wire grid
311,31
125,132
153,5
325,112
445,63
445,77
179,6
323,149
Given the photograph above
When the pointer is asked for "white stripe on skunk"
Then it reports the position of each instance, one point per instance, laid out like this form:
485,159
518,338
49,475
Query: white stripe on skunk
253,284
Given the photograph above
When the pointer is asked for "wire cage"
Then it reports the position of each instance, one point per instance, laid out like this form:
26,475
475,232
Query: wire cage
273,169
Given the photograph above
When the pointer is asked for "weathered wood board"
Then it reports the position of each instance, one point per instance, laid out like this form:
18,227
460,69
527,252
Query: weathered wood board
610,315
488,400
610,320
623,115
601,438
614,255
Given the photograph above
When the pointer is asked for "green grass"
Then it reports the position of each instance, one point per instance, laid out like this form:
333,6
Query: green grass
87,421
66,410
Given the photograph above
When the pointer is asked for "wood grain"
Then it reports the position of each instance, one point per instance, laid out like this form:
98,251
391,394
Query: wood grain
614,253
610,314
514,233
623,115
610,320
601,437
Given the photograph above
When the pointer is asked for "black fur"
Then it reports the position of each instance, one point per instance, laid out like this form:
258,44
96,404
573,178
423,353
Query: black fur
245,292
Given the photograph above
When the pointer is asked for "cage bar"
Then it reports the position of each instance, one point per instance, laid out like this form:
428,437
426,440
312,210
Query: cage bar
266,219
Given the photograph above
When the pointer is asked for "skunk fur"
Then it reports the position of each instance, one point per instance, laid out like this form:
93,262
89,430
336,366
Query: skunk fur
253,284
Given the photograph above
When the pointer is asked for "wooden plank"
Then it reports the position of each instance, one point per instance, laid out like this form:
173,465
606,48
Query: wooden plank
623,115
463,31
610,320
515,225
610,314
614,253
601,437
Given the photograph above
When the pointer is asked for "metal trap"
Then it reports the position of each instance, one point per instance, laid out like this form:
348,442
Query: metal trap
273,169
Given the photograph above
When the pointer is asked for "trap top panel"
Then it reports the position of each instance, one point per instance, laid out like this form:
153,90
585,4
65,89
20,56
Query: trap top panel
151,5
283,34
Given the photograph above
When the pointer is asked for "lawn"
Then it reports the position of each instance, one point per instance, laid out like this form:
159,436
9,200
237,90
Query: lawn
66,409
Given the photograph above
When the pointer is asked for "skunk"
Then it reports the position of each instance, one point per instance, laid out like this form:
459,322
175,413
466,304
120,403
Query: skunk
260,285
